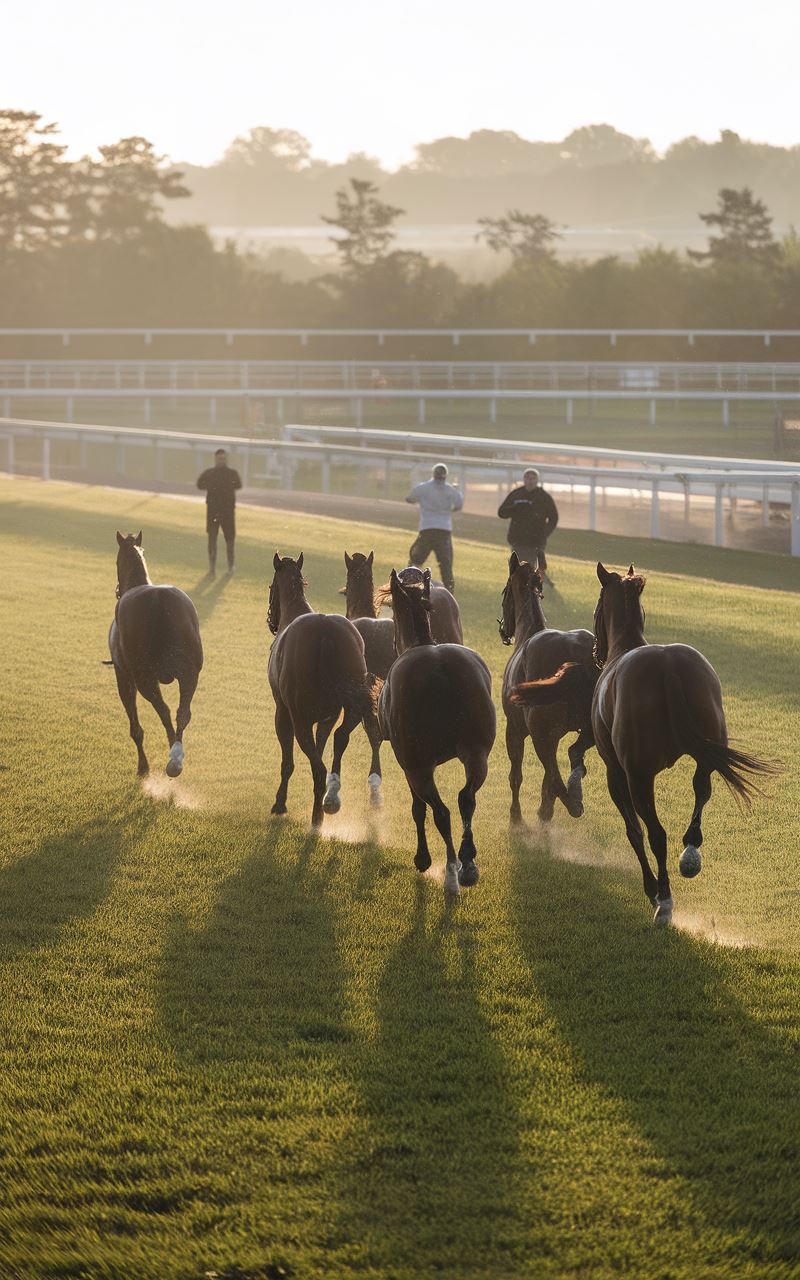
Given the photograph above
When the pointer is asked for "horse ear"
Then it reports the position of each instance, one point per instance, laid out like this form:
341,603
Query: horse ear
426,582
513,562
137,542
276,562
300,561
370,558
394,581
603,574
630,572
120,538
348,561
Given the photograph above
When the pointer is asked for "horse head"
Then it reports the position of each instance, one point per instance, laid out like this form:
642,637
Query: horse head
359,589
131,565
287,587
619,608
410,592
524,584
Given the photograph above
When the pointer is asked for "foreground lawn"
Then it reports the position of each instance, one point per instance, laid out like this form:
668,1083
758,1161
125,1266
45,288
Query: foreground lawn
231,1047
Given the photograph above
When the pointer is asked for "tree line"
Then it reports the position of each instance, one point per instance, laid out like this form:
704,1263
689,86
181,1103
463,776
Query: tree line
88,242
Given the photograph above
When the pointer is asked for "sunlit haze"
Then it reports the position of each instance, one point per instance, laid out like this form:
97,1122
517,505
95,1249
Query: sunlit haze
358,76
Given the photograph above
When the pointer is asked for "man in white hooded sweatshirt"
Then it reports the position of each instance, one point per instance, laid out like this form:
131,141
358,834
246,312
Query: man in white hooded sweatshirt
437,501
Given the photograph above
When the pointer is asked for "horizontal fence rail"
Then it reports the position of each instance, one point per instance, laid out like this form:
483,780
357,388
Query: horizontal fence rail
492,397
719,481
250,376
454,335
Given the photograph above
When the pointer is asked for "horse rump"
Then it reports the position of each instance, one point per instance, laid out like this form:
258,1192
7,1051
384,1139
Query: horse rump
737,768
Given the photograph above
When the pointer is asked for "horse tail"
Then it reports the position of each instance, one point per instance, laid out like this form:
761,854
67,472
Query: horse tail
737,768
574,681
355,693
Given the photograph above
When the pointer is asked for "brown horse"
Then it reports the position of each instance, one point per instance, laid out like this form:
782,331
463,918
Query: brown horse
436,705
316,672
539,652
653,704
154,639
378,636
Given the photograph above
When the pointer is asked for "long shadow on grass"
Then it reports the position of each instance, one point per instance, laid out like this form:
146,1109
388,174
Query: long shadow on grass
434,1189
61,881
206,594
261,978
654,1017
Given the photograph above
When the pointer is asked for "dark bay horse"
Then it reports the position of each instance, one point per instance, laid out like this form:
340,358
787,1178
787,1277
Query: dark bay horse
154,639
539,652
436,705
653,704
362,607
316,672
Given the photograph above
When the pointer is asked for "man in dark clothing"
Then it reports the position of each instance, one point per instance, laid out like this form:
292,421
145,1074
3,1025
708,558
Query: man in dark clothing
220,483
533,515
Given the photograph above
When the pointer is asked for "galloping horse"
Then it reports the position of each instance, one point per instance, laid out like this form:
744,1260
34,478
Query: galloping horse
436,705
539,652
316,672
653,704
378,636
154,639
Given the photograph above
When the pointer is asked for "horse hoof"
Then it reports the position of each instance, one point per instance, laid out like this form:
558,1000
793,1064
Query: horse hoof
175,762
575,810
422,861
468,876
575,793
451,886
690,862
278,808
331,802
663,913
174,768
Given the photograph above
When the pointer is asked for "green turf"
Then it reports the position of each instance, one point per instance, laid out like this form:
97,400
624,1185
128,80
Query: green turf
231,1047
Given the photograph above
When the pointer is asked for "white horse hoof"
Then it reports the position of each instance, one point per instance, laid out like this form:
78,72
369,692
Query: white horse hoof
175,762
663,913
690,862
375,790
331,801
452,887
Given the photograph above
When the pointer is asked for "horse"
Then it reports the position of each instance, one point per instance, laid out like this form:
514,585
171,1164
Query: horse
652,705
436,705
316,672
362,607
539,652
154,639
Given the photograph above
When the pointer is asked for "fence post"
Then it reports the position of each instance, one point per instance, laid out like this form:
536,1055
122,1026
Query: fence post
212,411
569,412
726,413
70,410
11,455
120,455
765,506
45,457
796,519
493,410
147,414
593,504
421,411
326,473
655,510
652,413
718,525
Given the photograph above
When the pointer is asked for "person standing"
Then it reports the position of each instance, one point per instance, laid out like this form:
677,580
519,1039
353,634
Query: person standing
220,483
533,517
437,500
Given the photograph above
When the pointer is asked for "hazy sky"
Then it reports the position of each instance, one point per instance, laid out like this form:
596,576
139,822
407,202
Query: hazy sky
378,77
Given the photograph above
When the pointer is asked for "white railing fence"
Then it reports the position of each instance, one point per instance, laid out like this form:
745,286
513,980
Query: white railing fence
160,459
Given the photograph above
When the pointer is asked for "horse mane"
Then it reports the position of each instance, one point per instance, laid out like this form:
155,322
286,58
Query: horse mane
507,605
274,602
633,585
420,609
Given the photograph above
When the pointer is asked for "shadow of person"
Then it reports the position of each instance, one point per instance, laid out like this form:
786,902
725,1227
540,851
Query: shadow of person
659,1020
63,880
433,1183
206,594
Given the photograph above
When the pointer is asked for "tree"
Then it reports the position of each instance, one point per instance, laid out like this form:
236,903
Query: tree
528,237
269,149
367,224
34,182
746,231
602,144
126,188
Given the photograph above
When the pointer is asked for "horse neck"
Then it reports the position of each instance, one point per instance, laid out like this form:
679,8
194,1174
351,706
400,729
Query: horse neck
529,617
136,575
624,634
360,599
413,631
292,604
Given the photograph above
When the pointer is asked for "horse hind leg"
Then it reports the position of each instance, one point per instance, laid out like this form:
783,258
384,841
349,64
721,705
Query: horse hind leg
515,746
187,685
475,777
545,744
577,751
127,693
690,862
305,740
618,790
284,731
422,858
643,797
375,779
423,786
332,801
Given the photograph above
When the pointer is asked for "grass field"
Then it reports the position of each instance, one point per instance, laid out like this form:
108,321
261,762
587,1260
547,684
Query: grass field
231,1047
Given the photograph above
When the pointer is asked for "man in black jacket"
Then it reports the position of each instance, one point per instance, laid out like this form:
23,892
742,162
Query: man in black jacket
533,515
220,483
